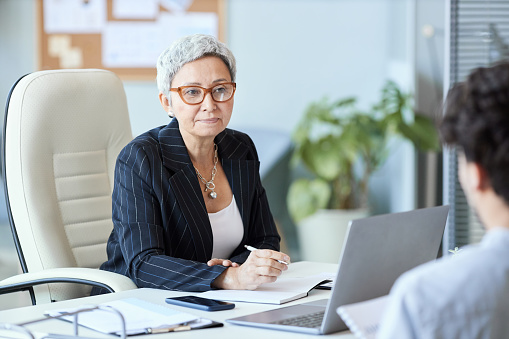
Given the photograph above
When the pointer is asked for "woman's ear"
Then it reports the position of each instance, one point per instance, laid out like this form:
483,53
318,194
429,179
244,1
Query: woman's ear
165,103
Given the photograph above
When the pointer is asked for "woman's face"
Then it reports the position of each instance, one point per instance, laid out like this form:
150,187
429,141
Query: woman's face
209,118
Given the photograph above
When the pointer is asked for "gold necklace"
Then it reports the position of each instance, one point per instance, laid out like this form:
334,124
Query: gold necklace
209,185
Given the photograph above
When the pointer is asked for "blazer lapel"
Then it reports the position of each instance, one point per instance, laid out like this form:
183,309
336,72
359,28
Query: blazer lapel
186,189
241,173
187,192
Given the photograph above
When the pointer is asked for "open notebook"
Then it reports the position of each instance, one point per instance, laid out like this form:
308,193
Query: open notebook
279,292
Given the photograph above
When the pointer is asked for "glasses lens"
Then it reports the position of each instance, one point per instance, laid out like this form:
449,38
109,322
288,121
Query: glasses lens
192,95
222,92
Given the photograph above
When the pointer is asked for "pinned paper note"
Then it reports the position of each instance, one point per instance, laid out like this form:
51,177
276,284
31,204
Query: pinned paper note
178,25
74,16
135,9
132,44
176,5
138,44
59,46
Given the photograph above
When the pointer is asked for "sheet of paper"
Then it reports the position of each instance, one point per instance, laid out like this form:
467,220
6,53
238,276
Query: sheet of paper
180,24
135,9
132,44
74,16
139,44
363,318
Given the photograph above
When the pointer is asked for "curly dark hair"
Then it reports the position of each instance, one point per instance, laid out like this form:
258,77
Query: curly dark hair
477,120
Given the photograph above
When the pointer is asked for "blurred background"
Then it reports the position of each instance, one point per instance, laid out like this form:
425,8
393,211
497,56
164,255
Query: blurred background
291,53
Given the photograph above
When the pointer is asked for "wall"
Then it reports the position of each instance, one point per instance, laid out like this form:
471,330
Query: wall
17,43
292,52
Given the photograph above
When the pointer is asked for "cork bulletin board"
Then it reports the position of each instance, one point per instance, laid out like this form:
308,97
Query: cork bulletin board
123,36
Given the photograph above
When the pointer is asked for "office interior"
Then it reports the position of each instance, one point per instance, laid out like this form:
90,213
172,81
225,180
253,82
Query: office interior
290,53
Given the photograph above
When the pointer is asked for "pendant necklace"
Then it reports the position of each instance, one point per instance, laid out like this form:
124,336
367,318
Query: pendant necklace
209,185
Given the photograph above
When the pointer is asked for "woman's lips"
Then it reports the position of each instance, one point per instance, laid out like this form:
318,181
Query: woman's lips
209,121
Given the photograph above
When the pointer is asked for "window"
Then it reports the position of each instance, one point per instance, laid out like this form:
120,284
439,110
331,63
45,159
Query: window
478,36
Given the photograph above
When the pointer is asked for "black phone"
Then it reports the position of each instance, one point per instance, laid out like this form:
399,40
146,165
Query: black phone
200,303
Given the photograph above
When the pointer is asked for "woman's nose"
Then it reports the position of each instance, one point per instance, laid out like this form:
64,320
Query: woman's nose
208,103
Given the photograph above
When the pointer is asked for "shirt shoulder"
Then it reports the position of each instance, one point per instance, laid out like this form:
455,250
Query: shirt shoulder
145,143
446,295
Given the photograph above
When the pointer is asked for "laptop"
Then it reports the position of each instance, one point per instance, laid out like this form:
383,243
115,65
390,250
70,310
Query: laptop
376,251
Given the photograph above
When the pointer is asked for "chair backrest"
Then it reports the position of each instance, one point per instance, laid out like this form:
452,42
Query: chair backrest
62,134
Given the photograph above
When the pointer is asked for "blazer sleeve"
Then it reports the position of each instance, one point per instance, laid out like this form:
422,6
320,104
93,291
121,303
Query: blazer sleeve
262,231
139,228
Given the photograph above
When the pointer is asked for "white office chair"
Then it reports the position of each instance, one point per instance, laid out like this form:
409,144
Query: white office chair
63,130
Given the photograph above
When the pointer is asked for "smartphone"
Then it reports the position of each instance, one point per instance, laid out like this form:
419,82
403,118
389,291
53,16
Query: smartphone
200,303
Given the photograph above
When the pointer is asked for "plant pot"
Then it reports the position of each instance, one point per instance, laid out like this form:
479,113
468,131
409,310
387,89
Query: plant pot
321,235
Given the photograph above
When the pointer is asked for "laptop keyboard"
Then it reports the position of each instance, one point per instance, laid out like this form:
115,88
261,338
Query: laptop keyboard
309,320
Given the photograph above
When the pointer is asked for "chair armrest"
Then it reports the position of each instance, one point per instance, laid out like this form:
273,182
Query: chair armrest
116,282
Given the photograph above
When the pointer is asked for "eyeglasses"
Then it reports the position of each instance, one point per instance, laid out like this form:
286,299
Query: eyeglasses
194,95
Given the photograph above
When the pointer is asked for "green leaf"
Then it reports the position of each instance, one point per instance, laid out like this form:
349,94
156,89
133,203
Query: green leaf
324,157
305,197
422,133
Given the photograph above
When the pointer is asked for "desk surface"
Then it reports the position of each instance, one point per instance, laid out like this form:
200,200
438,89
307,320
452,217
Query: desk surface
25,314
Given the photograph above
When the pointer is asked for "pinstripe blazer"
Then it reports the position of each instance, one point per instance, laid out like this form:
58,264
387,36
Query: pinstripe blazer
162,237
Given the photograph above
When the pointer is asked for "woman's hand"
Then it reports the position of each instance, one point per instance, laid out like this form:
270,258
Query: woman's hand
224,262
261,267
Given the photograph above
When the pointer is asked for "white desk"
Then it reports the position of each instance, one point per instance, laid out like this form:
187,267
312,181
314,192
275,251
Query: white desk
24,314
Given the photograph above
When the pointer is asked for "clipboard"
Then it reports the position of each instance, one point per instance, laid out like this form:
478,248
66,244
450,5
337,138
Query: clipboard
121,315
138,317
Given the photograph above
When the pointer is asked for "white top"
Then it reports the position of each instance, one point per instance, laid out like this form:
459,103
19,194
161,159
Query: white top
227,230
465,296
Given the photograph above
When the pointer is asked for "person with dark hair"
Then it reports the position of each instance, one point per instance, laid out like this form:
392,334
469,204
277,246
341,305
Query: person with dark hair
467,295
188,196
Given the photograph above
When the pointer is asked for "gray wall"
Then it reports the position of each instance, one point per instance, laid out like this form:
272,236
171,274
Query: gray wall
17,42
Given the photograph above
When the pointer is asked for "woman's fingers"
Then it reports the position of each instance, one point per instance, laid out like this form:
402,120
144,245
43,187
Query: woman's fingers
270,258
224,262
274,255
213,262
261,267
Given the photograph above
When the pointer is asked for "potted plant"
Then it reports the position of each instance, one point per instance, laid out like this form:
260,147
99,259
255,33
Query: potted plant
341,146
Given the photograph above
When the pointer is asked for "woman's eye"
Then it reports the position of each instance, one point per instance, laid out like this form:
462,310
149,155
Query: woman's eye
219,89
192,91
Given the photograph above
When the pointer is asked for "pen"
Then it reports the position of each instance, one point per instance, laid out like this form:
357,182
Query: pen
177,328
251,248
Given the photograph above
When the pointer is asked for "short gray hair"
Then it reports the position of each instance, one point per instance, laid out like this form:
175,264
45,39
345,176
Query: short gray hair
186,49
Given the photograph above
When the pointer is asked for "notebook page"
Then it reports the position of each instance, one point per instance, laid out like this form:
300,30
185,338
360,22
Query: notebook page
281,291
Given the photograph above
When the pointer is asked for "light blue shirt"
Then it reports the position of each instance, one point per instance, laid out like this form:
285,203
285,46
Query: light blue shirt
465,296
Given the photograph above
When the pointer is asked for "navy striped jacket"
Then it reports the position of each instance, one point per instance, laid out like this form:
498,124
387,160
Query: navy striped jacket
162,236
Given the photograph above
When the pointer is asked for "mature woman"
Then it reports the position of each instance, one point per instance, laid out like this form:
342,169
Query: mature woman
187,196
